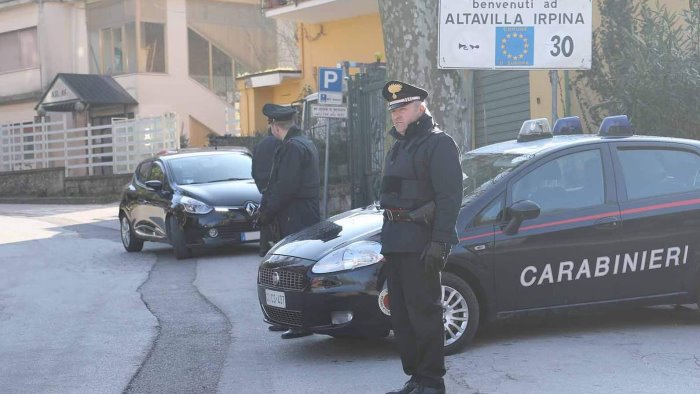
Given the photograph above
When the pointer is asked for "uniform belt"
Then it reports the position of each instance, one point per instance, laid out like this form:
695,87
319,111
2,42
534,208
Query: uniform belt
397,215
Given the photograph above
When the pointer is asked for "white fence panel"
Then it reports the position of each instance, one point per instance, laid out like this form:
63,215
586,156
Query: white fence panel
92,150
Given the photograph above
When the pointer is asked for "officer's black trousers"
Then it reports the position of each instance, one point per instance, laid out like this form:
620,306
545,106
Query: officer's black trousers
416,317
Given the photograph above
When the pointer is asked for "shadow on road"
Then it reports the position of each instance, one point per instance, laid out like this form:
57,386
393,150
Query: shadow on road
576,324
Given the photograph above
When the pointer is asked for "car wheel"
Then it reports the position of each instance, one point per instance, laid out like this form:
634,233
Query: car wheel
460,312
177,239
129,240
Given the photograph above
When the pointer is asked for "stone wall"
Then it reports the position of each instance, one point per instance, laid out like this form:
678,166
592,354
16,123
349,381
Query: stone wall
37,183
52,182
102,185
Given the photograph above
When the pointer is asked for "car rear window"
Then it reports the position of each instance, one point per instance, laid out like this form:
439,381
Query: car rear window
210,168
659,172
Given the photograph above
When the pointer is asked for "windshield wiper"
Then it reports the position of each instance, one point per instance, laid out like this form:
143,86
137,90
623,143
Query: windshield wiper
229,179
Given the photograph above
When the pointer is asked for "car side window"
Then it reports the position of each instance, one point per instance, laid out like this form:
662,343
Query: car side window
569,182
492,213
659,172
156,173
143,172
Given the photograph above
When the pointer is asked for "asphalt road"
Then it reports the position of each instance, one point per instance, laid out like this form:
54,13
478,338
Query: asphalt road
80,315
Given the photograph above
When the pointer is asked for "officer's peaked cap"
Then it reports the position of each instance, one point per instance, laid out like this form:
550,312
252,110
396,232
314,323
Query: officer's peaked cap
276,112
399,93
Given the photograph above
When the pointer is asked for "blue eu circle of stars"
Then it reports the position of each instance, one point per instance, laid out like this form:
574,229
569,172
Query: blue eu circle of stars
514,46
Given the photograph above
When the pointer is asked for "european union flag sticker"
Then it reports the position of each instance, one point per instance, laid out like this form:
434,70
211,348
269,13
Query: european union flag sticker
515,46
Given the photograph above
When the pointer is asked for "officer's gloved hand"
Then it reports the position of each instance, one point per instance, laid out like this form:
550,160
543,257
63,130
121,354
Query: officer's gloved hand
435,256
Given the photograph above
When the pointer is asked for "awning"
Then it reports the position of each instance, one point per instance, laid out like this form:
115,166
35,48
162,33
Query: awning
89,89
268,78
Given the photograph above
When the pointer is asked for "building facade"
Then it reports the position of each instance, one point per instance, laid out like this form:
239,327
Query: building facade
171,56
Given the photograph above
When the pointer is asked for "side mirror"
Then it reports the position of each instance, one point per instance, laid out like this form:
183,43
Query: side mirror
154,184
518,213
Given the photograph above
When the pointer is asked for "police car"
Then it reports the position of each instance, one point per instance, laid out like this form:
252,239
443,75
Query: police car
555,219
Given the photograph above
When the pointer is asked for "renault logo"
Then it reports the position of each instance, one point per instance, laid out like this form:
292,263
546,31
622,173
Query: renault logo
275,278
251,208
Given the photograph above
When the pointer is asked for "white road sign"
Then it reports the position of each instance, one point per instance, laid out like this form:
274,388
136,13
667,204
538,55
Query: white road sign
529,34
329,111
330,98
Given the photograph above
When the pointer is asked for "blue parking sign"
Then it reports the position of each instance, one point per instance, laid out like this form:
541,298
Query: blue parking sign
330,79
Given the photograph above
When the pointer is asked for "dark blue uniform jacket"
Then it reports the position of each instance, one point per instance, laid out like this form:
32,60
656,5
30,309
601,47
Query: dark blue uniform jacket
263,155
423,165
292,195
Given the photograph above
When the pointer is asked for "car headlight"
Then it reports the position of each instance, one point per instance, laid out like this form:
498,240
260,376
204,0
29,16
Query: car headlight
194,206
357,254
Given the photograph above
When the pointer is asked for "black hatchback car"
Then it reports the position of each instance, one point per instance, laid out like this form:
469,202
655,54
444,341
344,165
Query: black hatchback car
547,222
191,200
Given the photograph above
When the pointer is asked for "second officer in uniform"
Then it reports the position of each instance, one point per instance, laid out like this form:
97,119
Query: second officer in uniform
292,195
421,196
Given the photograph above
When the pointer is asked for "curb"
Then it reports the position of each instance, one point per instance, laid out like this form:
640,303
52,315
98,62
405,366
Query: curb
79,200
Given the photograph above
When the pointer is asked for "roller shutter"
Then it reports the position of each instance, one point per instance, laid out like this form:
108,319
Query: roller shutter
501,104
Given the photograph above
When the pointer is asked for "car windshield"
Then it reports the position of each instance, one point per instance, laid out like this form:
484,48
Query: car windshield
480,170
210,168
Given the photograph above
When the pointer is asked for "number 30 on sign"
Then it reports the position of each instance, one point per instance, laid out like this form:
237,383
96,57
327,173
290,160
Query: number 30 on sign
525,34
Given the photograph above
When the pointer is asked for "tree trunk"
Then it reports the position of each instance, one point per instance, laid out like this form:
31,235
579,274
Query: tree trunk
411,45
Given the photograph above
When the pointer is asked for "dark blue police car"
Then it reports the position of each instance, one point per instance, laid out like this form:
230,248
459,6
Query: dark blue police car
552,220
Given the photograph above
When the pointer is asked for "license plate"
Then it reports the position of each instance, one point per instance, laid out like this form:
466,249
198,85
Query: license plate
250,236
275,298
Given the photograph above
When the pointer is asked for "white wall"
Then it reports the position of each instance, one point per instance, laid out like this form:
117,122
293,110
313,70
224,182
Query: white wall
63,39
20,17
17,113
22,81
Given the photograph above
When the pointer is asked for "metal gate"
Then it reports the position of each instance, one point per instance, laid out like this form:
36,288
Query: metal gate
368,121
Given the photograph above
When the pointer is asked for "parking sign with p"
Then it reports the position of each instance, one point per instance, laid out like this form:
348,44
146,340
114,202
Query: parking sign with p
330,79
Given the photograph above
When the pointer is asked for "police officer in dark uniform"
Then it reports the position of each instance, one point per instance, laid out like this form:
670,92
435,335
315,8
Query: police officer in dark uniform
292,195
421,196
263,156
263,153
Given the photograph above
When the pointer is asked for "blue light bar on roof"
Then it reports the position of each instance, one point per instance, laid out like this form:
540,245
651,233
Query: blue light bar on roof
616,126
568,126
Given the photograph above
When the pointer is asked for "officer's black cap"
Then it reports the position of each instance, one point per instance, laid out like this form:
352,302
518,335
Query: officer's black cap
276,112
399,93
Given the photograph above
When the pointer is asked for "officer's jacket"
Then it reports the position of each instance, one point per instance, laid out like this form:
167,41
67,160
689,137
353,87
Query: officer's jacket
292,195
421,166
263,155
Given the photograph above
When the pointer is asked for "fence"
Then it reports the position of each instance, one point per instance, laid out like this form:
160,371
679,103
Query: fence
93,150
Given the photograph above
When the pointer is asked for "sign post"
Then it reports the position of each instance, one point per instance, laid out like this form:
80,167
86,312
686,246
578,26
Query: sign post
330,98
516,35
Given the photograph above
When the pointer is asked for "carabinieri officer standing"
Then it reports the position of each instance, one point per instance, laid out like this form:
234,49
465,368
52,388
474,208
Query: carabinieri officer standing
421,196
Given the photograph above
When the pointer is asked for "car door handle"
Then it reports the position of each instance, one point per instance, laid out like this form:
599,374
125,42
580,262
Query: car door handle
607,223
482,247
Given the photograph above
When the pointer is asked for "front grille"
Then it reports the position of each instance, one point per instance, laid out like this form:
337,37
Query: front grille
288,280
283,316
231,232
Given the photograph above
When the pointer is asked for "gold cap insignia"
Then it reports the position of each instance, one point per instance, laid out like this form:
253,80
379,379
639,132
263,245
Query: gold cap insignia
394,88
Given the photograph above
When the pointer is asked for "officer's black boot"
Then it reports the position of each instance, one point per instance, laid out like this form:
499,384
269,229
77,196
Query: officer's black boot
275,327
406,389
295,333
